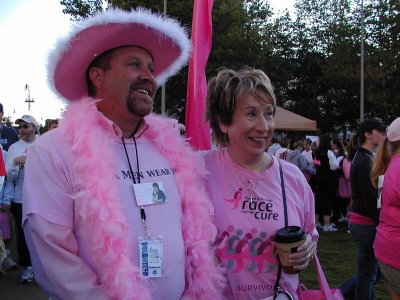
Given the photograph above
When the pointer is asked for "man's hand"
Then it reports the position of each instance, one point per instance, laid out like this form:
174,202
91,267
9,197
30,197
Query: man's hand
4,207
20,160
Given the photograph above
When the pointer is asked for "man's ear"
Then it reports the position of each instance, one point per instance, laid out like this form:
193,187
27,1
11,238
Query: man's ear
96,76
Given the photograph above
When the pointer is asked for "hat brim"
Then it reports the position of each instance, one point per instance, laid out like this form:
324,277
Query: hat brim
162,37
27,122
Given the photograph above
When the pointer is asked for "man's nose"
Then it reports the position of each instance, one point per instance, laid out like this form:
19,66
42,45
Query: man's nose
146,73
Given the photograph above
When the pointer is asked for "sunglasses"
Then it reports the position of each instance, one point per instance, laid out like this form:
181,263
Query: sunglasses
25,126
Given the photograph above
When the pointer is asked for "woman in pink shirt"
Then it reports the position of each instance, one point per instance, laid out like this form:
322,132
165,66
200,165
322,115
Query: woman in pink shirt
245,187
387,239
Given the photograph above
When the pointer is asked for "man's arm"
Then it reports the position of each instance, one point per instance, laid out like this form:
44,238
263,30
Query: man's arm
305,166
57,267
49,228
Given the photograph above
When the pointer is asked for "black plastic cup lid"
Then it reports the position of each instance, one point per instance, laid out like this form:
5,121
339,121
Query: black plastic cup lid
289,234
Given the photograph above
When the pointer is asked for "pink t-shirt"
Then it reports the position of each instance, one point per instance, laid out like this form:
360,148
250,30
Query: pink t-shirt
56,197
387,240
245,229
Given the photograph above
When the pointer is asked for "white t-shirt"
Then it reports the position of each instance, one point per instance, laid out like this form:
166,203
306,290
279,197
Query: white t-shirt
308,156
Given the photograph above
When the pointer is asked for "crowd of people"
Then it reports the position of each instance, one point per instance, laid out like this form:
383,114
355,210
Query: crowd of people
15,146
116,199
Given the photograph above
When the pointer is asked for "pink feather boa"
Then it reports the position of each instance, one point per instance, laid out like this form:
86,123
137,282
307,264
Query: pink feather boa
84,128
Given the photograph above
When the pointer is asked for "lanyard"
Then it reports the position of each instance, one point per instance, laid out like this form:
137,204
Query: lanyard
142,211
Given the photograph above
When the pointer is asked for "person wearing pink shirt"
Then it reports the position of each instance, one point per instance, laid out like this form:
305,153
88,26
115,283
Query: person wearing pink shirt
387,239
91,225
245,187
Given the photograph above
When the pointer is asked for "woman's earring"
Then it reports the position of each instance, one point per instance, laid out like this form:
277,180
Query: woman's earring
225,138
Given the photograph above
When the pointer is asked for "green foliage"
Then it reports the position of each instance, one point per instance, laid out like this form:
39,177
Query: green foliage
7,121
312,60
80,8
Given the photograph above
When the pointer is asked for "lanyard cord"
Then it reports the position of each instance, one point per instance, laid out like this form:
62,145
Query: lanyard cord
129,162
142,211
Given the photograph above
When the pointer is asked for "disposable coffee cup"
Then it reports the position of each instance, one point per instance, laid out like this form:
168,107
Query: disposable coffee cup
287,240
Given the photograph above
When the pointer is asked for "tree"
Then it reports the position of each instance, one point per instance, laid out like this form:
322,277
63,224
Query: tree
313,61
236,33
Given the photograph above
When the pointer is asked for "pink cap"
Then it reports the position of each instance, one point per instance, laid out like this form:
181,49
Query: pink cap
393,132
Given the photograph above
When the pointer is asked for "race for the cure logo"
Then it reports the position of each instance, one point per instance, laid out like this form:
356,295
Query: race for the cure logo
262,209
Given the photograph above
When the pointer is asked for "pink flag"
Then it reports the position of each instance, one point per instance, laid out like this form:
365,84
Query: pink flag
197,130
2,166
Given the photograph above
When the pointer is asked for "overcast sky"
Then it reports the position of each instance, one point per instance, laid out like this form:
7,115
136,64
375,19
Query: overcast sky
28,28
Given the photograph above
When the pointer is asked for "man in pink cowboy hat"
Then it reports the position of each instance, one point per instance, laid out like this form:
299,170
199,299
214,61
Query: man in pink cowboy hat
91,225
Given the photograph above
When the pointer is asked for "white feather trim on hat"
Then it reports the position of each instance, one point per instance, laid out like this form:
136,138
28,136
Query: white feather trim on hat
164,38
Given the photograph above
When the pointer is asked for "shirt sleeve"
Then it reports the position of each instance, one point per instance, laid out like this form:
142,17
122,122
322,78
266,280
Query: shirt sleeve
57,267
306,166
334,163
47,188
368,193
8,191
309,214
11,167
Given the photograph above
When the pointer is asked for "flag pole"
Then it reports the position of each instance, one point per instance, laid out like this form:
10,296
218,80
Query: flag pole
163,90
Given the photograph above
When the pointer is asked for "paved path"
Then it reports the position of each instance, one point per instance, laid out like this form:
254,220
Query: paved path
12,289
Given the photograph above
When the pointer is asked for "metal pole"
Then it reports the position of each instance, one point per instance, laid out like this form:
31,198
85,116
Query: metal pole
362,64
163,86
29,100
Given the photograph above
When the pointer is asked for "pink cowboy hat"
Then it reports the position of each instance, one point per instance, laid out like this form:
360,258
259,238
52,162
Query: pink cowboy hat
163,37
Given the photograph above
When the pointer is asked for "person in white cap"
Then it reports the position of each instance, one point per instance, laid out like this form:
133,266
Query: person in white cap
387,239
91,228
15,168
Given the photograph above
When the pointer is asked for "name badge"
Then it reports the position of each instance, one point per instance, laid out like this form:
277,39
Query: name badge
151,258
149,193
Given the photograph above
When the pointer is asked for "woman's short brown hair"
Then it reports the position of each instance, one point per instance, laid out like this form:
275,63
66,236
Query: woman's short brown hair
226,88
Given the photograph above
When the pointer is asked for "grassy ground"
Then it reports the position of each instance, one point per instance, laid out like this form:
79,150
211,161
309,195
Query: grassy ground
337,254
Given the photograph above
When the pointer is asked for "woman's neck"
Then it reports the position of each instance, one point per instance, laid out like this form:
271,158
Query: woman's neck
258,164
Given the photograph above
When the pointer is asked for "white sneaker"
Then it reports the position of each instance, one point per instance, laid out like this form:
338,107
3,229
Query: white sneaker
10,263
27,275
329,228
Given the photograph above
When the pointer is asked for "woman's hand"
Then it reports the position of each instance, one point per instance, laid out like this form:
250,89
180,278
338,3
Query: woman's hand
304,254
